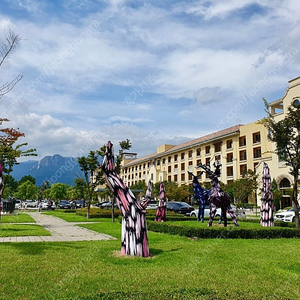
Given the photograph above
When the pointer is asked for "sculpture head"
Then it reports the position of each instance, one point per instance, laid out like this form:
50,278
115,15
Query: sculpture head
108,164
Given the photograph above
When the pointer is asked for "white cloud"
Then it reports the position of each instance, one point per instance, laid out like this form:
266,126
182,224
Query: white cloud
81,63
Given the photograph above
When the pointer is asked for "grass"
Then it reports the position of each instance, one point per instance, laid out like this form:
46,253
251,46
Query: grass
69,217
9,230
17,218
218,268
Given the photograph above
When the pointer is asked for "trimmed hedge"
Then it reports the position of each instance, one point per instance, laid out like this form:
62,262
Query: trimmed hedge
97,213
223,232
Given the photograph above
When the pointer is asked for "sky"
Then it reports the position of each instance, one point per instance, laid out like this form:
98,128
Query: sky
153,72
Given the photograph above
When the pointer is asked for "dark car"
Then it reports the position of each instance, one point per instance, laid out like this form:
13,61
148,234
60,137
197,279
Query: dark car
108,205
180,207
64,204
80,203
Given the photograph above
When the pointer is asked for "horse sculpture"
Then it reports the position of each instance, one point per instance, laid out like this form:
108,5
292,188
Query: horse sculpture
134,239
218,197
161,210
201,195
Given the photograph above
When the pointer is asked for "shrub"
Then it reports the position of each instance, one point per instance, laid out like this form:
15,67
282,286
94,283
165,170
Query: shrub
97,213
231,233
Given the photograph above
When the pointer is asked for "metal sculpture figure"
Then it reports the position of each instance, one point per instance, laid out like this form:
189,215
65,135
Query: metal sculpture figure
134,239
161,210
267,205
201,195
218,197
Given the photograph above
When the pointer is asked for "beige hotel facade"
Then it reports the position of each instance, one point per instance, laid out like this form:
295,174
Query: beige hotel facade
238,148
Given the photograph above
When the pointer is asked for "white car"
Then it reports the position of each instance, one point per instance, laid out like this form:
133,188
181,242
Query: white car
30,203
286,216
240,214
194,213
152,205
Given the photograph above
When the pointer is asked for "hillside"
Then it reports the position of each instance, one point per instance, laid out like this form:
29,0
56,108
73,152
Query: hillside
54,169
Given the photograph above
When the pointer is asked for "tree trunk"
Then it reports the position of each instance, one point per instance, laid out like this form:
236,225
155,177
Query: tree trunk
113,210
295,202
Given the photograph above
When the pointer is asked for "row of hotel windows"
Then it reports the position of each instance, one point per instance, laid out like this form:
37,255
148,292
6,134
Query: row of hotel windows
229,174
229,158
217,147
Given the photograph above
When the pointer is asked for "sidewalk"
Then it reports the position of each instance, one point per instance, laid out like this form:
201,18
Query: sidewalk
61,231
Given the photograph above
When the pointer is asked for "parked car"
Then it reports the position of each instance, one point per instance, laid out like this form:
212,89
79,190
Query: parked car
286,216
152,205
108,205
80,203
48,205
30,203
63,204
18,204
179,207
194,213
240,213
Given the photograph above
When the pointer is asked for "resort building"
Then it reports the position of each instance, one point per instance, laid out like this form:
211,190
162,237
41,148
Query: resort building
237,148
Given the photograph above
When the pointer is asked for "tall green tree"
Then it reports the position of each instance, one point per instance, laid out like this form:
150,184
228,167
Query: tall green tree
44,190
80,191
59,191
26,190
27,178
11,186
173,191
277,194
242,188
285,134
90,166
139,188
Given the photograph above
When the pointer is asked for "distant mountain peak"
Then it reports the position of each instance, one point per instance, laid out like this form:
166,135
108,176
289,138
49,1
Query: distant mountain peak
55,168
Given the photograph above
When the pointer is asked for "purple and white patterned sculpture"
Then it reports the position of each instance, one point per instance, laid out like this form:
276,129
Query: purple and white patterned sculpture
1,187
267,205
161,210
134,239
218,197
201,195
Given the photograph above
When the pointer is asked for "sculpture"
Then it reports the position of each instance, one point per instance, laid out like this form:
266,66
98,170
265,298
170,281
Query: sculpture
218,197
201,195
161,210
134,239
1,186
267,205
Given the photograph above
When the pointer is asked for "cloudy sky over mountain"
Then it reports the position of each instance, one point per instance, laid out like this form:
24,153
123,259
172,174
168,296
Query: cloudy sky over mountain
154,72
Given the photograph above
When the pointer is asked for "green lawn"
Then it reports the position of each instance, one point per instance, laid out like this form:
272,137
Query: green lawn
17,218
211,269
70,216
9,230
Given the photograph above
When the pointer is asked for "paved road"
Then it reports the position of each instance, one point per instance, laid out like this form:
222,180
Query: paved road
61,231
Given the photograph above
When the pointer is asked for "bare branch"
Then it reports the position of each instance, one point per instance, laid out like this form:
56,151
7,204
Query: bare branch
10,43
8,46
8,86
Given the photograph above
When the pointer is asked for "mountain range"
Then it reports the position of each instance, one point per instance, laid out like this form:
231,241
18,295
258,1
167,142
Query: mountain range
54,169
